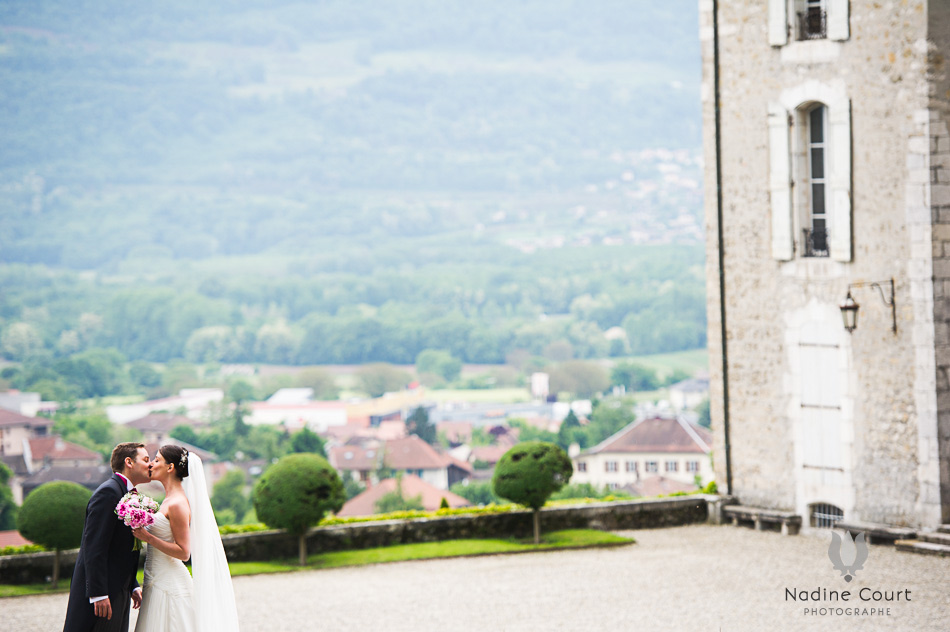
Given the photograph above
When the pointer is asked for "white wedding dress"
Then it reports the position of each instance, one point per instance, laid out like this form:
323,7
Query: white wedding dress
168,592
173,600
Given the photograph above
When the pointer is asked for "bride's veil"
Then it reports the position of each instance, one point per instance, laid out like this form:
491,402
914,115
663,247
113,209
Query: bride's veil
215,608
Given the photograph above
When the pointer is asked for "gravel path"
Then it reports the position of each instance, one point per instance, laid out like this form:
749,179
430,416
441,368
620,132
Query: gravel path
682,579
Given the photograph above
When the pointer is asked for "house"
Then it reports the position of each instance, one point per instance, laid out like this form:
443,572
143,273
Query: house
194,402
89,476
827,178
157,427
667,446
411,486
689,393
360,461
412,455
16,430
29,404
53,450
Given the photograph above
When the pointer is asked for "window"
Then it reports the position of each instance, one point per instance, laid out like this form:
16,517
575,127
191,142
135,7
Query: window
582,466
610,466
810,173
692,466
613,486
824,515
672,466
808,20
811,19
814,203
652,466
631,466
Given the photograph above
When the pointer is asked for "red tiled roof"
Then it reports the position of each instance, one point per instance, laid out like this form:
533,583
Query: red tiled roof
9,419
658,435
412,453
355,457
160,422
365,504
12,538
488,453
56,449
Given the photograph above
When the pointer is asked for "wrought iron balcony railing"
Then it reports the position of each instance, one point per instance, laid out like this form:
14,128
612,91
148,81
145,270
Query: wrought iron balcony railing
815,242
812,24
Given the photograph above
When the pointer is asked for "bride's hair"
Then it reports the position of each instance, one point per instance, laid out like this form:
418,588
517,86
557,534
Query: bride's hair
177,456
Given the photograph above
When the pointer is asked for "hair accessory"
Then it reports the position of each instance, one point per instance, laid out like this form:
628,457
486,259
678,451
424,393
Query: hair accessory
184,458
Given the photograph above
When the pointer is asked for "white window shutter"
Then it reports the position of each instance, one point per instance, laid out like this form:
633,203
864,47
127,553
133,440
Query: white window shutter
780,185
840,123
838,28
778,22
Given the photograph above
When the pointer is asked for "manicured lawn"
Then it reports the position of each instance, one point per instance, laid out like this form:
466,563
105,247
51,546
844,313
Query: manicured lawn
575,538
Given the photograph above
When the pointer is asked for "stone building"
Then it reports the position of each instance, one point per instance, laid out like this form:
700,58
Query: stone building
827,172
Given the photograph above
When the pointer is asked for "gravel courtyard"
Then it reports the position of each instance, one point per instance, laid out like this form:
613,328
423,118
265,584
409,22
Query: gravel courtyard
679,579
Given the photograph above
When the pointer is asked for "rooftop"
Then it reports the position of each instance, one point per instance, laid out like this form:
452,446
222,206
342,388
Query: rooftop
657,434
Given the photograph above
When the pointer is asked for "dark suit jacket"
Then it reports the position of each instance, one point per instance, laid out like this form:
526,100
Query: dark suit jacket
106,564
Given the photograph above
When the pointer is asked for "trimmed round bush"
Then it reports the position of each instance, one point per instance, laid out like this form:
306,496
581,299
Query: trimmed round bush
53,516
529,473
295,494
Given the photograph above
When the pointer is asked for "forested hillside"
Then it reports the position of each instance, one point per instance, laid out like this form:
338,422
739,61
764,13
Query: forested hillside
326,182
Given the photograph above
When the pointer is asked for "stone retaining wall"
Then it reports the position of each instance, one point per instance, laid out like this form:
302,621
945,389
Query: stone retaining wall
270,545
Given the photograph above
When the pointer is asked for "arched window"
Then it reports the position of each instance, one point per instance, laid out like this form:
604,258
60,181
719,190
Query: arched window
814,204
810,173
824,515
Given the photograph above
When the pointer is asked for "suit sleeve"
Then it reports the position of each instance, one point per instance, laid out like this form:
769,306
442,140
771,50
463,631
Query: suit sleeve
100,525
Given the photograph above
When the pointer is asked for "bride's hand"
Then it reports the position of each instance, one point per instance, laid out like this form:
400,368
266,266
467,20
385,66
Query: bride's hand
142,534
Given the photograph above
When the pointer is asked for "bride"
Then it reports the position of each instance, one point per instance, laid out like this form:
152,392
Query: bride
184,527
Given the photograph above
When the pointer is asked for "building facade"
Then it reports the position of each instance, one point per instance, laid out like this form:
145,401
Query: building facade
827,174
667,447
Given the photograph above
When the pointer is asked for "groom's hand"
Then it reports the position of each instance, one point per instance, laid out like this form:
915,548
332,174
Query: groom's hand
103,608
136,598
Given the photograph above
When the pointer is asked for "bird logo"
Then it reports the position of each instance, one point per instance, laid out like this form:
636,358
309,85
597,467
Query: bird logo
847,555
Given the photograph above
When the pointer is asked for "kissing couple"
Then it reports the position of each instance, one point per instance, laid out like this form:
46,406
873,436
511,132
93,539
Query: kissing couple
104,582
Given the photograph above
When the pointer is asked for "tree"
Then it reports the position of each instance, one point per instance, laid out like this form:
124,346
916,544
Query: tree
295,493
8,508
607,418
703,411
321,381
53,516
418,424
228,495
379,378
144,374
439,362
580,377
529,473
239,392
569,431
20,340
306,440
634,377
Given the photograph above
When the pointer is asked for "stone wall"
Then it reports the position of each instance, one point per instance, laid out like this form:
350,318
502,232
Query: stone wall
270,545
889,408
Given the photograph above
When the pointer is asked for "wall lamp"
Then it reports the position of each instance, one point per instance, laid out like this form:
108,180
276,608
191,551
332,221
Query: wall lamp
849,309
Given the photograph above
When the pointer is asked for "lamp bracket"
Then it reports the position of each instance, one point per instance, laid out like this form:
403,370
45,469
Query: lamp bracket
888,299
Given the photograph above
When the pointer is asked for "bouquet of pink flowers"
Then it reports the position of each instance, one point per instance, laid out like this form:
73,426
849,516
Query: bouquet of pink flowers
135,510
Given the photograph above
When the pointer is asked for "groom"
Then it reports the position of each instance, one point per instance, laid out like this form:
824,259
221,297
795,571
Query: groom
104,576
